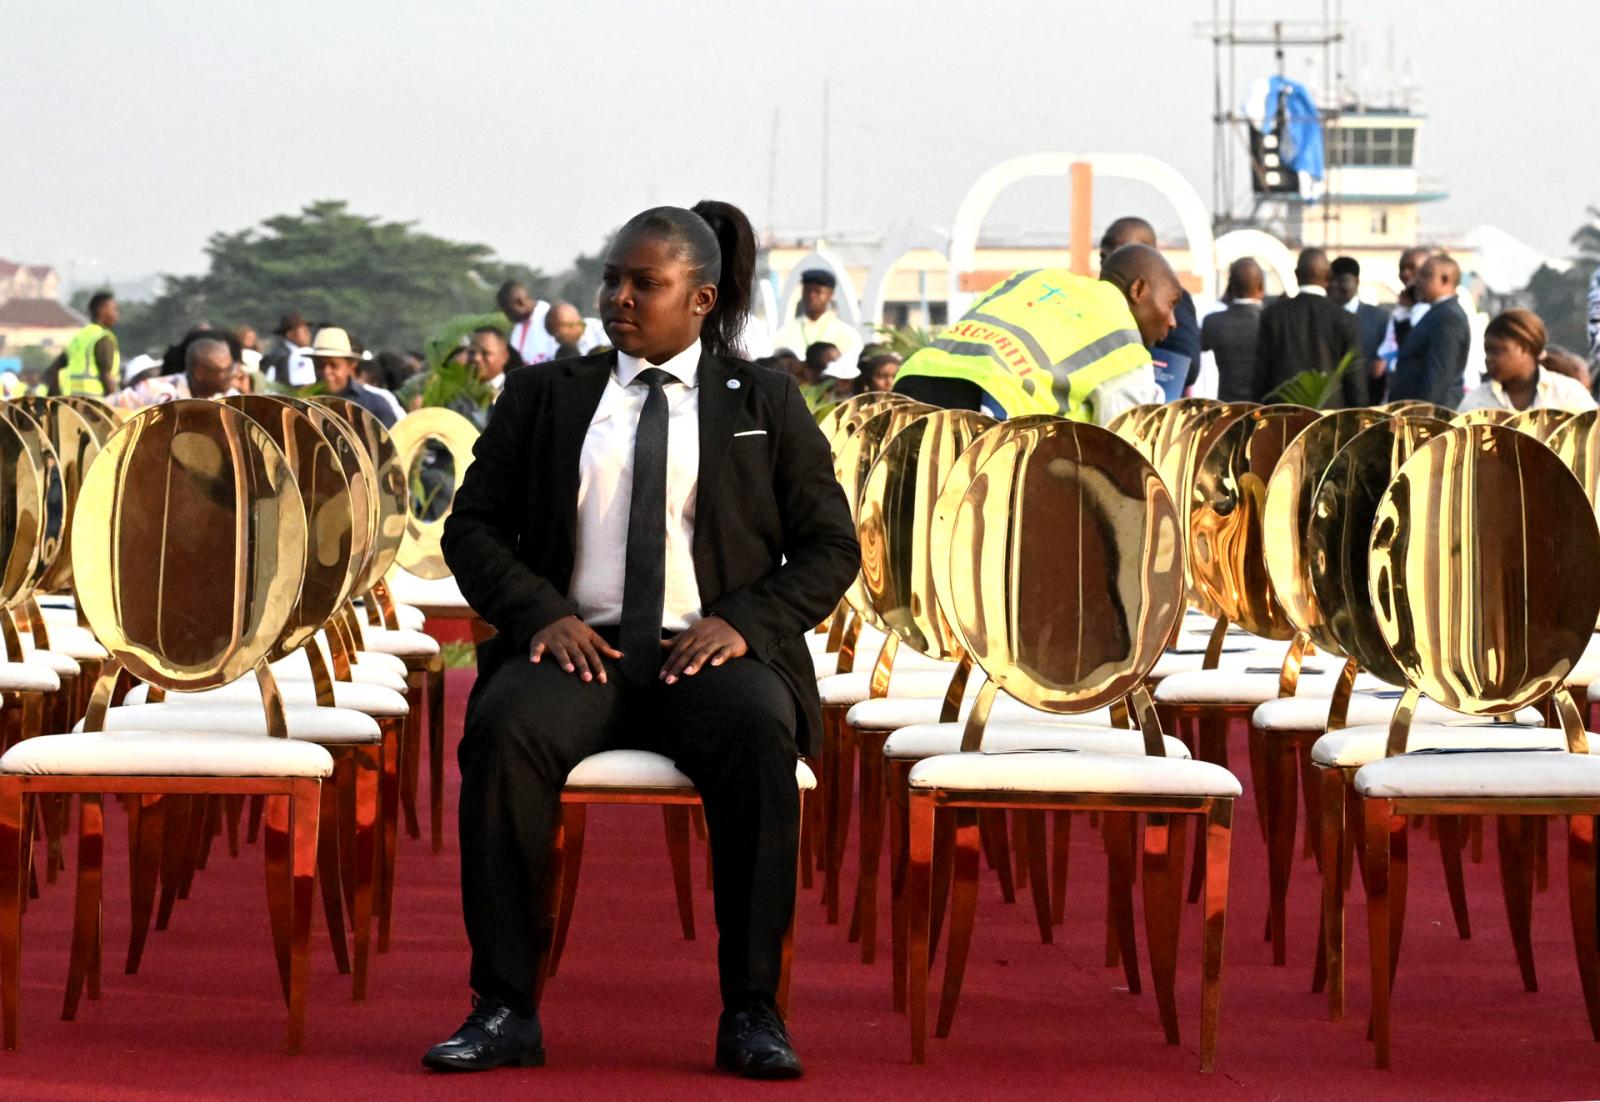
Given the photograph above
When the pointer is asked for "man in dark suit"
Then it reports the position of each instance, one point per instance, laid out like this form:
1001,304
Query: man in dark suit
616,631
1371,321
1230,335
1309,333
1433,356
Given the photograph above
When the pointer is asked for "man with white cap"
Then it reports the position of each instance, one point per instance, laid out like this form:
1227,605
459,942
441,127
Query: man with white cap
336,360
817,322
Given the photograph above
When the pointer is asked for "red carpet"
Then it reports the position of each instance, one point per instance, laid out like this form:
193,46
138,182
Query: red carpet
633,1011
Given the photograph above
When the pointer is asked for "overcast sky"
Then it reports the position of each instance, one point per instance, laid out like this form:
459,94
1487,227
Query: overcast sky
129,132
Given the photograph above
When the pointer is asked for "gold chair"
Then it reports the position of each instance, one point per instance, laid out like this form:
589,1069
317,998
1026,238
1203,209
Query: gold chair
1481,574
1067,571
183,614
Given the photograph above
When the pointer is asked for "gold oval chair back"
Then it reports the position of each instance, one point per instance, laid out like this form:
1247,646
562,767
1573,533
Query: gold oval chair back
102,419
52,489
360,478
330,522
428,506
1339,534
960,476
896,524
76,443
1541,424
1227,535
1482,574
1416,407
388,490
1290,492
21,518
845,419
1490,416
1066,572
1176,451
188,547
859,451
1127,424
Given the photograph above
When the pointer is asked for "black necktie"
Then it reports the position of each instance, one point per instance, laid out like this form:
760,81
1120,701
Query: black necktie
644,586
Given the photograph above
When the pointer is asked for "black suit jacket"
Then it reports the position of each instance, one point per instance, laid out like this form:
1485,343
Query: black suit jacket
1372,322
1230,335
774,545
1433,356
1308,333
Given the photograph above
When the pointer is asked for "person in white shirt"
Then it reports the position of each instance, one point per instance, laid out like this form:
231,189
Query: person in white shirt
573,333
1513,346
526,314
817,322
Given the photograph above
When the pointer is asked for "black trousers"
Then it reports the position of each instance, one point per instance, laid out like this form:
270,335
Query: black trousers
730,728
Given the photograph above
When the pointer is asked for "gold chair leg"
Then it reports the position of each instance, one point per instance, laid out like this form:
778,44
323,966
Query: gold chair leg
1333,881
1282,814
1581,898
1219,843
1038,866
1060,853
175,854
995,840
1381,828
145,814
367,769
675,818
1119,827
1164,853
899,859
12,885
1452,847
844,770
1515,843
918,906
302,870
436,690
963,915
574,825
328,860
278,854
389,829
86,904
411,747
864,920
1019,850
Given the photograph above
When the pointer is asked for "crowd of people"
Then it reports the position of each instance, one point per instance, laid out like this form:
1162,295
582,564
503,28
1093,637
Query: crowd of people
1246,347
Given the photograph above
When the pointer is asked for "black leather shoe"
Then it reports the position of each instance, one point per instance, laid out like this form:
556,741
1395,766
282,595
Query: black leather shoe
491,1037
754,1043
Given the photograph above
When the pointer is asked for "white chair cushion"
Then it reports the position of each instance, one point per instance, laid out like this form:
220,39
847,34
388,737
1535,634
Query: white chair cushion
407,588
647,769
298,667
407,616
927,740
74,641
1069,771
328,726
62,665
852,688
891,713
906,660
1190,658
870,640
401,642
374,700
1302,714
166,754
1356,746
28,677
1489,774
1241,687
1582,676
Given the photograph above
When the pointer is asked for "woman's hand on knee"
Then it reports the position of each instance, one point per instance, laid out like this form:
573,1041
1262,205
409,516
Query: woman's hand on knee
574,646
710,641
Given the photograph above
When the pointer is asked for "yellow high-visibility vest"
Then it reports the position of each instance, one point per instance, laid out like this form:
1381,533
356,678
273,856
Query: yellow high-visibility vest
1040,342
82,374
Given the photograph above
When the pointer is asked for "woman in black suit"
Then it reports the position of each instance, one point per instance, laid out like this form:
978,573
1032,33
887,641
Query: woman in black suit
650,531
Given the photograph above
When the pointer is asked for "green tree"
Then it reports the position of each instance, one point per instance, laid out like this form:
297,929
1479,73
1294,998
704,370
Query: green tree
1559,295
390,284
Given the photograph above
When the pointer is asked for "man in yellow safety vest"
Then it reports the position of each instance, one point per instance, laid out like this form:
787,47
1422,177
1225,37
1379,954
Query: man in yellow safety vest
1049,341
92,363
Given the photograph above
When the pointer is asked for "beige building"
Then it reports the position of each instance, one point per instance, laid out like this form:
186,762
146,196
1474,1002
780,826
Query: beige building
41,322
28,281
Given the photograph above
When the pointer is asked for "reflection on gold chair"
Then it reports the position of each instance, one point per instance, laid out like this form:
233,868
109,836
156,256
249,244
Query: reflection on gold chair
1482,576
1068,578
182,614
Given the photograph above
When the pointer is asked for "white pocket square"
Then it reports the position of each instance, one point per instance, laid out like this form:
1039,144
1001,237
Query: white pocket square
751,432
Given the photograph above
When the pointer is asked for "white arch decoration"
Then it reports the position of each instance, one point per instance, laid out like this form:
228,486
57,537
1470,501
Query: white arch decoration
1261,245
904,240
1141,167
845,302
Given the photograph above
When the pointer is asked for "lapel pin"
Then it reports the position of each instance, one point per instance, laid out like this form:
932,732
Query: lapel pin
733,384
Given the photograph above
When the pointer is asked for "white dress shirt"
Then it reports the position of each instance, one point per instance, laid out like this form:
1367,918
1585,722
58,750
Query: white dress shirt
605,492
1552,390
528,337
801,333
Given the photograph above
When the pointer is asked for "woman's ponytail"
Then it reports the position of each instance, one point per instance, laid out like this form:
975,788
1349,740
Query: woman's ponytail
723,332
